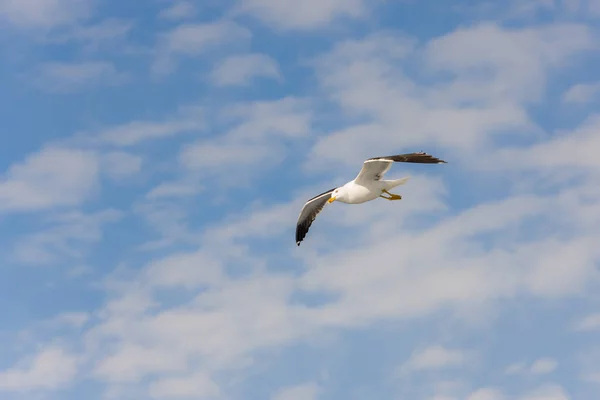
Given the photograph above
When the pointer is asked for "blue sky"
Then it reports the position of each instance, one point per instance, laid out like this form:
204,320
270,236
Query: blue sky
156,155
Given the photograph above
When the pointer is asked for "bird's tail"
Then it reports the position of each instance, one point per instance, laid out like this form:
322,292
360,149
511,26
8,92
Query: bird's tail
396,182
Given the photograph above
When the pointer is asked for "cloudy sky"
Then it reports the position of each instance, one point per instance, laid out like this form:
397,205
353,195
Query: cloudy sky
155,156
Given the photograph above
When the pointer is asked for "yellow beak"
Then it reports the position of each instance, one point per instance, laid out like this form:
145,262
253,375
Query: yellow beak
331,200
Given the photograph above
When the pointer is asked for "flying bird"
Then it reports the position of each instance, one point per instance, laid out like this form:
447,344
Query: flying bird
368,185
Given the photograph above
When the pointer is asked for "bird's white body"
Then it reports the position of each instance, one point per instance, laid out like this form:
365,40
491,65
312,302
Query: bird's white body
357,193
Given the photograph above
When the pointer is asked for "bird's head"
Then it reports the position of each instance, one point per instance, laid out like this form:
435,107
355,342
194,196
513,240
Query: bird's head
337,194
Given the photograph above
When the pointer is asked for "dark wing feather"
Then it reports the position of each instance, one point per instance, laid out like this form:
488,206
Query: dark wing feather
309,212
419,157
374,168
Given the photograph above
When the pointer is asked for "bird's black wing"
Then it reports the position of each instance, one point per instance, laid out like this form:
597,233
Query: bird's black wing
309,212
419,157
374,168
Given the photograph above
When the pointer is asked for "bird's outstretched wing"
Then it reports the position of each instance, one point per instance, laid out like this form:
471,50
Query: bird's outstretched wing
374,168
309,212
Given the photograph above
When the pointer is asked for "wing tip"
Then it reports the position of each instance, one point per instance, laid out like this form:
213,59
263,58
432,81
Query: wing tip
439,160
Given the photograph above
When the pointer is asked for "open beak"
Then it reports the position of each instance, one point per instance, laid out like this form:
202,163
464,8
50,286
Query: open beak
331,200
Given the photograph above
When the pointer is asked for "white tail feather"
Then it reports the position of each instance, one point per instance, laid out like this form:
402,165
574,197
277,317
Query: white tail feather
396,182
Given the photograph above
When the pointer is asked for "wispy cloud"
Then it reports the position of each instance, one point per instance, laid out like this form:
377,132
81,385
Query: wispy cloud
582,93
313,14
75,319
589,323
241,69
67,77
540,366
432,358
44,13
51,177
259,132
192,40
486,394
119,164
541,155
194,385
64,236
50,369
484,101
307,391
550,392
594,7
546,392
187,119
108,36
544,366
178,11
174,189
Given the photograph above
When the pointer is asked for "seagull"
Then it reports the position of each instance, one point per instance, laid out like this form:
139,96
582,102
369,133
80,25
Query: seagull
368,185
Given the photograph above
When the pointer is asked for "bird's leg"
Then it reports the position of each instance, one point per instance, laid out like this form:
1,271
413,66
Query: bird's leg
392,195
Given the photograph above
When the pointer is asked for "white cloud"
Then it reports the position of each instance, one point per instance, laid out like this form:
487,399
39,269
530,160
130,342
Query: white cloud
241,69
593,377
74,319
168,218
547,392
589,323
544,366
203,155
434,357
186,120
174,189
519,66
486,394
514,369
307,391
64,77
542,155
582,93
261,128
219,338
49,178
519,8
594,7
442,397
66,238
50,369
480,95
311,14
287,117
185,270
582,254
106,37
194,386
541,366
193,39
119,165
43,13
133,361
196,39
178,11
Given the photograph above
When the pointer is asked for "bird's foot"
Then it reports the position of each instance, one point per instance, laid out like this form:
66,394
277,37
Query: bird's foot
392,196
